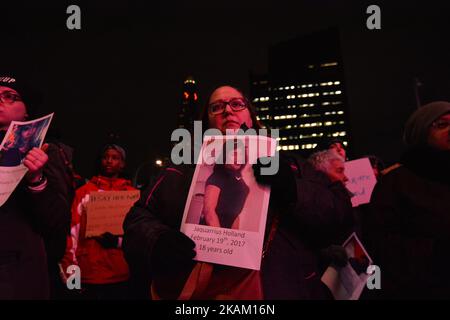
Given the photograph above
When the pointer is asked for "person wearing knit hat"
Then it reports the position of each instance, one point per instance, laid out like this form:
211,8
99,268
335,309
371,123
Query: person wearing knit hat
408,226
34,210
104,269
332,143
21,91
421,123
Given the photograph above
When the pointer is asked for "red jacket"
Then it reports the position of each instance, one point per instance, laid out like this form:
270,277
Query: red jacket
97,264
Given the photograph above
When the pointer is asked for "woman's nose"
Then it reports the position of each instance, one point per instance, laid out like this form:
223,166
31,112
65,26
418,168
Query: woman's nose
228,108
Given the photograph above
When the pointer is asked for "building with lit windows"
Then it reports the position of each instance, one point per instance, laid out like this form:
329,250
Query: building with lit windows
189,106
303,94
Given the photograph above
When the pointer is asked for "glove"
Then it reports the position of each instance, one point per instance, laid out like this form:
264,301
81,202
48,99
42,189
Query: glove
172,263
359,264
108,240
334,255
283,185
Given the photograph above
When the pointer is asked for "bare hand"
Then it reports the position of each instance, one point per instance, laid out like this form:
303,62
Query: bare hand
35,161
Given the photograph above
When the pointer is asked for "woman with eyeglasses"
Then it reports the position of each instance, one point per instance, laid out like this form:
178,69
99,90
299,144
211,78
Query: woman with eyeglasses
34,211
158,253
408,227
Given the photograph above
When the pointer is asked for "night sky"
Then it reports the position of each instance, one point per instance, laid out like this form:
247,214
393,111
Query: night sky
123,71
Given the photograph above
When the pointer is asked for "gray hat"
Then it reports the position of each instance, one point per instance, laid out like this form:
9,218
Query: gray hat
416,128
117,148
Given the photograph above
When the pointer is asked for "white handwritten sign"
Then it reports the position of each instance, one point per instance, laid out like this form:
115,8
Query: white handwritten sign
106,211
361,180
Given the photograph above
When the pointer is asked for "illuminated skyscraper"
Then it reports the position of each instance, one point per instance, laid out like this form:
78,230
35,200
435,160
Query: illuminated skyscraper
304,94
189,105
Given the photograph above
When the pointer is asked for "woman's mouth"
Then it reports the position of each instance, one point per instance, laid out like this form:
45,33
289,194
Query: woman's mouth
231,124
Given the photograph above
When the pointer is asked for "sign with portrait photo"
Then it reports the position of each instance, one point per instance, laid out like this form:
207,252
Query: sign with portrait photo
226,209
20,138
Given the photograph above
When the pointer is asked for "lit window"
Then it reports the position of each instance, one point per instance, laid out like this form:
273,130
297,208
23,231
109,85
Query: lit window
310,85
256,100
328,123
337,82
325,103
329,64
284,148
325,93
311,105
286,88
292,87
330,83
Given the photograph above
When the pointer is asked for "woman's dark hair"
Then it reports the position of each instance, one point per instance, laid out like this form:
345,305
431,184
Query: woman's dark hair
204,114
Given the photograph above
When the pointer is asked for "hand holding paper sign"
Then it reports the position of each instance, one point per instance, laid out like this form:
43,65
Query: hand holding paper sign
282,183
334,255
108,241
35,161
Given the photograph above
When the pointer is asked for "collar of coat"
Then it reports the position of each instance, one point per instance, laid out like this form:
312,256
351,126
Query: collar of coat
106,183
428,163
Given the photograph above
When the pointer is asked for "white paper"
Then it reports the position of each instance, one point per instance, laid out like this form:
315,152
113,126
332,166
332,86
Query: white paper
361,180
345,283
241,247
20,138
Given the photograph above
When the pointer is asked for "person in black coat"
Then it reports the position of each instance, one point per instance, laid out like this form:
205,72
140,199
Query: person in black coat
36,209
408,229
302,211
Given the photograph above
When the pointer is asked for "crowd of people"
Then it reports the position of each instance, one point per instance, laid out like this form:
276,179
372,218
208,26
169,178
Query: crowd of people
405,227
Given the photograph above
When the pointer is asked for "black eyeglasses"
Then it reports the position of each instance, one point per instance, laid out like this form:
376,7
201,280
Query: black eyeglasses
9,97
441,124
236,104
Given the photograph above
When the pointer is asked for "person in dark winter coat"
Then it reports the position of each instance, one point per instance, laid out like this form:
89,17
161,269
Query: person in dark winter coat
408,226
35,210
301,213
